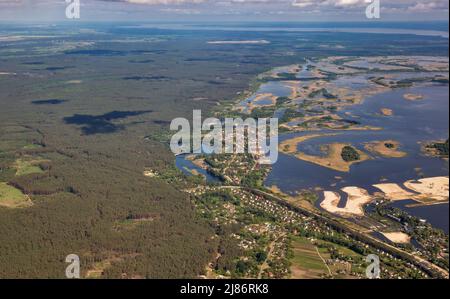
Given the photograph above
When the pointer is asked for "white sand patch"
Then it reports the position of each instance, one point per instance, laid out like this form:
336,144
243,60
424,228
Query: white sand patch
357,198
331,201
150,173
413,97
397,237
435,188
394,191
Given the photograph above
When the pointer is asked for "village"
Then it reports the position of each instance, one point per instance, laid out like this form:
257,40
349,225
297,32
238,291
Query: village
274,241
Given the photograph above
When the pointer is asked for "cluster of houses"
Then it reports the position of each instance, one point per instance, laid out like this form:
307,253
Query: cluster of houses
288,221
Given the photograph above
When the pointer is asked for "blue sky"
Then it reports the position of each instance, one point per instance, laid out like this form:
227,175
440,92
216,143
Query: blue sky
224,10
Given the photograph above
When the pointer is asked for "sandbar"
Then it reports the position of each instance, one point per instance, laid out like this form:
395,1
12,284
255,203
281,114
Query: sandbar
412,97
332,160
394,192
386,148
387,112
435,188
357,198
397,237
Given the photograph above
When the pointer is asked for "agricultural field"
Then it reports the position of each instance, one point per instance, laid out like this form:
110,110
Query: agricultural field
307,261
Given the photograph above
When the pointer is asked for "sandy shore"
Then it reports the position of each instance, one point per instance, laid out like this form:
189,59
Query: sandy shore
357,198
426,191
435,188
394,192
387,112
331,202
294,86
276,190
150,173
380,148
397,237
412,97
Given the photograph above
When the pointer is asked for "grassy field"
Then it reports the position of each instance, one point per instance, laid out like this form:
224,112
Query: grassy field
11,197
353,265
24,167
306,263
343,250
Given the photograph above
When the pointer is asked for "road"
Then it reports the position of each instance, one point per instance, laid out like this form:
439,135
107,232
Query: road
269,254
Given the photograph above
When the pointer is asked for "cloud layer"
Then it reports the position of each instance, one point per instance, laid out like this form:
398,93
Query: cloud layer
341,9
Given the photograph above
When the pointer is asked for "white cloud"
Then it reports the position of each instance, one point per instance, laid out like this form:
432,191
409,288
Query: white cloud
293,8
427,7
